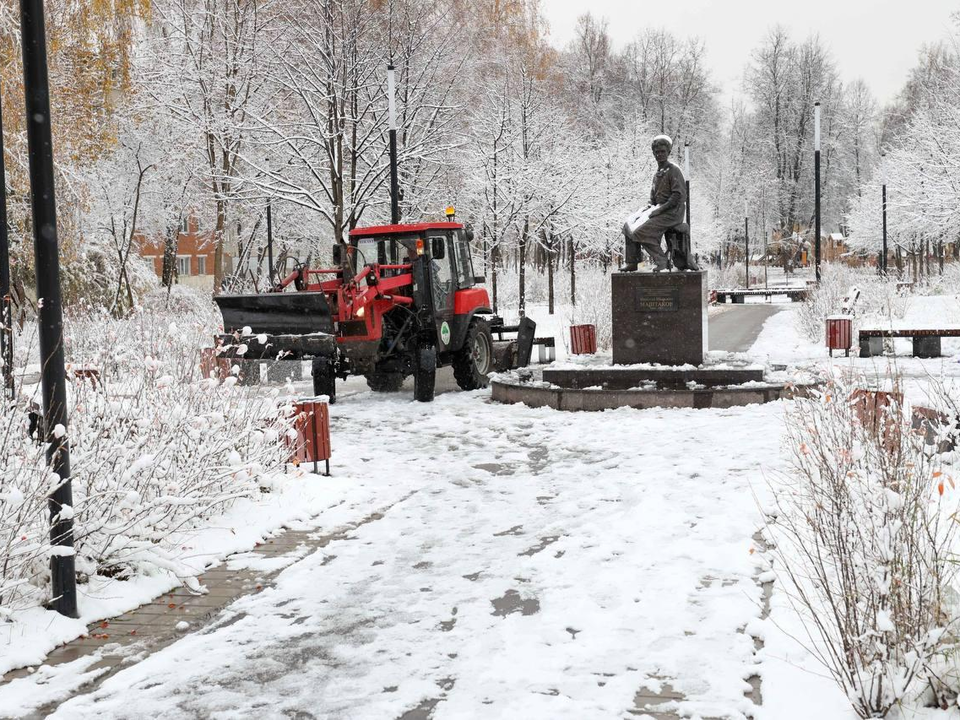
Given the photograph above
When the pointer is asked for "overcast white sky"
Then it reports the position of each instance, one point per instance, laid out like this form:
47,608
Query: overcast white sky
877,40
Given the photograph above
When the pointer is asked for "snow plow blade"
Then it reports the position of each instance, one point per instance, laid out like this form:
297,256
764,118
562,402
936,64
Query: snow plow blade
515,353
282,347
299,313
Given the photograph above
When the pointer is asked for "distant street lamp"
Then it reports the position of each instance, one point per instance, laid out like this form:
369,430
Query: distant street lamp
53,377
392,118
883,180
816,171
746,243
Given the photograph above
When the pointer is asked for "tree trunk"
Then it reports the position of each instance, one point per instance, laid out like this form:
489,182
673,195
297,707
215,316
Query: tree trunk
218,246
170,257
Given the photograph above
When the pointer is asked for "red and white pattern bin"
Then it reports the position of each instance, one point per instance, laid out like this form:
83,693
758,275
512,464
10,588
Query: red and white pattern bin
583,339
312,441
839,333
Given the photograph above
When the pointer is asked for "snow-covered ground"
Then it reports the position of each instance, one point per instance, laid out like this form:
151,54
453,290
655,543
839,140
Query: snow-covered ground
539,565
528,564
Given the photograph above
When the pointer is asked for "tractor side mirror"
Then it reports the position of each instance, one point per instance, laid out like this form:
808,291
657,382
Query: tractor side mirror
479,279
437,248
337,254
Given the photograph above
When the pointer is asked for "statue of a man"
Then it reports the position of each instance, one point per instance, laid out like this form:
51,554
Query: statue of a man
668,198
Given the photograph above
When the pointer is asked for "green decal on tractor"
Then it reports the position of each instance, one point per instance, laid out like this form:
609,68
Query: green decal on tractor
445,333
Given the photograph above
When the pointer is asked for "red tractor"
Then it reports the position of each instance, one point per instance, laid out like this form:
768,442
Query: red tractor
402,300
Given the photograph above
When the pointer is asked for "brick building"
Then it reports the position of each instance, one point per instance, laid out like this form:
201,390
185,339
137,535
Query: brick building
195,254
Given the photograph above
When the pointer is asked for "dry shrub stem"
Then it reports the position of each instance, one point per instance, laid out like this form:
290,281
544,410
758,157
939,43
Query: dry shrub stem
863,537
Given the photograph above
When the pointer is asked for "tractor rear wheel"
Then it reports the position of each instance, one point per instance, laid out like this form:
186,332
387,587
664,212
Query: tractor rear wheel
425,375
385,382
474,361
324,379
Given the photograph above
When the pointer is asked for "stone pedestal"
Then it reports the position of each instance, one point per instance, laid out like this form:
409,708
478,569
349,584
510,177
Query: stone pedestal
659,318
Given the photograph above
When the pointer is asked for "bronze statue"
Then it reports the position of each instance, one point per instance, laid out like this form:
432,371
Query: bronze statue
664,214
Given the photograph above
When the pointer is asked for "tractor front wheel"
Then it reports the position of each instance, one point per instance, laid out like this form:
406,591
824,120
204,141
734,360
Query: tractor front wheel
425,375
385,382
324,378
474,361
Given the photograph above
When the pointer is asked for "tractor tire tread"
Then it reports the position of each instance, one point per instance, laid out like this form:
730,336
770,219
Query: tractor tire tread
464,369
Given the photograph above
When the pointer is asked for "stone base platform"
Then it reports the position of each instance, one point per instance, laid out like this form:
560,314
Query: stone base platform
626,378
608,388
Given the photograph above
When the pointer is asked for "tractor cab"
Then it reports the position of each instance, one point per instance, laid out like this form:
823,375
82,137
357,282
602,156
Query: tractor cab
455,294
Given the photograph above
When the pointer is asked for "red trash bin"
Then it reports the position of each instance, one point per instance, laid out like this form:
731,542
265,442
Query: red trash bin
212,365
839,333
312,423
583,339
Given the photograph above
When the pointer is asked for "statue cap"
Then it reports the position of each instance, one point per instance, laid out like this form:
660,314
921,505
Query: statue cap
662,138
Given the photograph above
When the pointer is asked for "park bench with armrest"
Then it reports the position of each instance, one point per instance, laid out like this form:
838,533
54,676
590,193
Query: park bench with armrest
926,341
738,295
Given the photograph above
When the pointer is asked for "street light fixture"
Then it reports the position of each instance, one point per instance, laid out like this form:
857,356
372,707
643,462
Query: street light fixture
53,376
883,181
816,170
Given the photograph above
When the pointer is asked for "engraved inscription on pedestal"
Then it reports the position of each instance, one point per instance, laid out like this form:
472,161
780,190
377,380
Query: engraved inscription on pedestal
656,299
659,318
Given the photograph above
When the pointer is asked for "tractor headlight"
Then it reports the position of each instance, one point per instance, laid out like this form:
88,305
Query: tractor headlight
361,312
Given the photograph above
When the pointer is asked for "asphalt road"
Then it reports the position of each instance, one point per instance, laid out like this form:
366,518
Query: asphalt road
738,326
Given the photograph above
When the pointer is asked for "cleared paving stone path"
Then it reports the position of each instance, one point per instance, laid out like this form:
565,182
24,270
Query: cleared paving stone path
736,327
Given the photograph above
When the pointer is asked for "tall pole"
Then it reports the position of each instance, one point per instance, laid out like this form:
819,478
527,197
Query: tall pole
394,182
746,245
883,172
6,302
53,379
816,171
763,226
270,242
686,175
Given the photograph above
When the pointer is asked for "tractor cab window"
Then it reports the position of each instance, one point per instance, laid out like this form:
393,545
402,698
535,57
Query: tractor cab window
442,275
464,263
369,251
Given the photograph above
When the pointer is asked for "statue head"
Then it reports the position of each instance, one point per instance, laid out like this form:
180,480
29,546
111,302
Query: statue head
661,146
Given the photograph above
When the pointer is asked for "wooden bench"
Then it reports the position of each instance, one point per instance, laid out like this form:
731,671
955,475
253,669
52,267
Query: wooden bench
926,342
737,296
546,349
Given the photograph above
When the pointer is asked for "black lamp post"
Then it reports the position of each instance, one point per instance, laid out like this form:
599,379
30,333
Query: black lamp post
883,179
686,177
816,171
53,377
270,243
394,182
6,302
746,244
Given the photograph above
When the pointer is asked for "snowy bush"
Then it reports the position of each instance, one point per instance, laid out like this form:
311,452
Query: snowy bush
593,305
863,533
729,276
879,298
155,450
